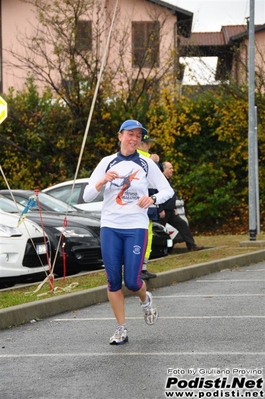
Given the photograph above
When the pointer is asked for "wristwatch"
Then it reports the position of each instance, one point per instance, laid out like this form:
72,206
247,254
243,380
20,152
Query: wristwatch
153,198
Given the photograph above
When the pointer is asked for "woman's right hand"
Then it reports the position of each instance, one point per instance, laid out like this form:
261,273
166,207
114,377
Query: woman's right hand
109,176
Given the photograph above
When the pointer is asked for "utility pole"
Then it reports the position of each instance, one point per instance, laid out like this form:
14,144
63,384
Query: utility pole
251,127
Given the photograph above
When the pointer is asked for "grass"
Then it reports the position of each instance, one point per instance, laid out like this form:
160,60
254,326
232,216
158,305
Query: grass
218,247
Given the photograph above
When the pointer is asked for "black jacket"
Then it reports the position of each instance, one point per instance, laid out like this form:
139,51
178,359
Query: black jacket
170,204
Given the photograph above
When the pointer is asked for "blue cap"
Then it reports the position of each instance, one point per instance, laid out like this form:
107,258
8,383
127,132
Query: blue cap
132,124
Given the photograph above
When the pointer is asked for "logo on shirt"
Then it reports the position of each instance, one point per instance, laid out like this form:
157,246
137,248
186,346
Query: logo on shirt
126,183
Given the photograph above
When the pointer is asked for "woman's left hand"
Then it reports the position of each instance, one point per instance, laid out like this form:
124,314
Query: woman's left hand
145,202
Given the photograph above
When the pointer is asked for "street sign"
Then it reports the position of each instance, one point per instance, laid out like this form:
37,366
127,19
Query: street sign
3,109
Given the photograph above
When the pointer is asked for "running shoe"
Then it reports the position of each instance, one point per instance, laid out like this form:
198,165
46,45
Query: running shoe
120,336
150,312
145,275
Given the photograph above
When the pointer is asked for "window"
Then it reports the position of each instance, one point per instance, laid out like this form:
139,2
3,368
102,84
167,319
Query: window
63,193
83,40
68,85
145,44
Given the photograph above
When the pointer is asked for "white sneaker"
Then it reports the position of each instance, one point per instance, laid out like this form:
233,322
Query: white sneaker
150,312
120,336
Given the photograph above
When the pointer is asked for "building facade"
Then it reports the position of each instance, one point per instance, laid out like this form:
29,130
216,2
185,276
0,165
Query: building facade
144,37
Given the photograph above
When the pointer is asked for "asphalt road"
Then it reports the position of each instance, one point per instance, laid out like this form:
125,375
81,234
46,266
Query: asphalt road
210,331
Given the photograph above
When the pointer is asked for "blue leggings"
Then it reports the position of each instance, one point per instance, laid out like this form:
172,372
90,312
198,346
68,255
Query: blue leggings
123,247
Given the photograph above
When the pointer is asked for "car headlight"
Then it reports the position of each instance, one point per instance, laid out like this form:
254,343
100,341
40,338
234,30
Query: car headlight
7,231
74,231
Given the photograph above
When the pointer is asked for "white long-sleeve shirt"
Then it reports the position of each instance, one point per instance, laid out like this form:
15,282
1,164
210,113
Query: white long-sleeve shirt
136,173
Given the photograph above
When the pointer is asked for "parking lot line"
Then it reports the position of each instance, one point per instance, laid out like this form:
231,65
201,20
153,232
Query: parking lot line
206,296
119,353
161,317
232,281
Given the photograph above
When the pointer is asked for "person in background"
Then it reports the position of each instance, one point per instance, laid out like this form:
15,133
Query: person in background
126,176
168,214
144,149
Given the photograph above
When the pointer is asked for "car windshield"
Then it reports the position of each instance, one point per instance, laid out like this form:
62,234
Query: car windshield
47,201
55,204
52,203
9,206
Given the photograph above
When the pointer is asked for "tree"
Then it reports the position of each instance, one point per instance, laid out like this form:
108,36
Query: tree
205,137
33,145
63,52
203,132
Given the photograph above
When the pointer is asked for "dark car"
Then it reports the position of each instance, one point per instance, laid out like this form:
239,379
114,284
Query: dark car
162,243
74,242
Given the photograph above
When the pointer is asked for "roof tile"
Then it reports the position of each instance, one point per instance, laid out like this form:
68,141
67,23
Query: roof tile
213,38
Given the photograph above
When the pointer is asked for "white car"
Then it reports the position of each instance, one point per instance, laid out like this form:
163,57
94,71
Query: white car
23,251
74,196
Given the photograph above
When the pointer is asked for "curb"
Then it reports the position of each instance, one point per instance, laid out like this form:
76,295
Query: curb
20,314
